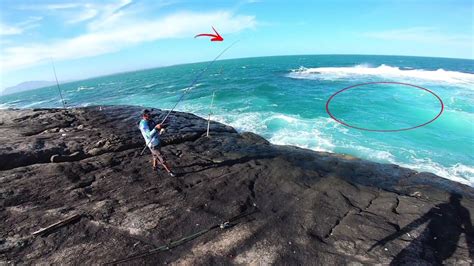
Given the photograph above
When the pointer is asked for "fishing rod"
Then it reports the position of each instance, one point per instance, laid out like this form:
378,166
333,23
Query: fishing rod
210,111
175,243
190,88
57,84
210,107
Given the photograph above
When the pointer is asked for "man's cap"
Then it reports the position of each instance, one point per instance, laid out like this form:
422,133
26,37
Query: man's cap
146,112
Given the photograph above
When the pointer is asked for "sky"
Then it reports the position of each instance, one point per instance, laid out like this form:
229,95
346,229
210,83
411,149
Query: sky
93,38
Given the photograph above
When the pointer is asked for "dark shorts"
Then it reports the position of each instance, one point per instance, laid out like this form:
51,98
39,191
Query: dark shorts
155,151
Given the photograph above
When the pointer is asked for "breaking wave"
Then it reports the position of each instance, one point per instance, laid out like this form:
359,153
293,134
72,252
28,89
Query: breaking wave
385,71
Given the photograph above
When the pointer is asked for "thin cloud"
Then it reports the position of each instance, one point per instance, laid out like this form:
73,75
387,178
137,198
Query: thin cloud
110,14
76,12
10,30
85,15
61,6
20,27
123,34
31,21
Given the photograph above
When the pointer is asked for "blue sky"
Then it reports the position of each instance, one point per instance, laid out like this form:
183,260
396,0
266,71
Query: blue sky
93,38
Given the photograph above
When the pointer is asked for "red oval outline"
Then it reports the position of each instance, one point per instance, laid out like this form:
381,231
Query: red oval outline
383,130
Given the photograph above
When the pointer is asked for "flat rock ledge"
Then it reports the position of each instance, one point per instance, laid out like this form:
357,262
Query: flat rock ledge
300,207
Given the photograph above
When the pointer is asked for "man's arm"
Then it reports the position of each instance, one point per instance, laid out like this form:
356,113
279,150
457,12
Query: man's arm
149,133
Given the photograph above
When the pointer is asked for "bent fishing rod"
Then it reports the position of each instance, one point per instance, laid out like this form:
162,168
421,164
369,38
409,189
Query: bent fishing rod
190,88
57,84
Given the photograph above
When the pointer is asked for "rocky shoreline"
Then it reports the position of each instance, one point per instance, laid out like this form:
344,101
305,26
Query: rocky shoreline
299,206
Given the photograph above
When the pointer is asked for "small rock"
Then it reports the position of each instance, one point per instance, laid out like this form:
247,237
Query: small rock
80,127
75,154
100,143
52,130
55,158
95,151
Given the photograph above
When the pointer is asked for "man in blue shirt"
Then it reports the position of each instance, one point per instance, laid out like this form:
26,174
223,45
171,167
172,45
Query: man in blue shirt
151,133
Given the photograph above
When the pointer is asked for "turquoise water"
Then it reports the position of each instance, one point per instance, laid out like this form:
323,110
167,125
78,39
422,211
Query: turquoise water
284,98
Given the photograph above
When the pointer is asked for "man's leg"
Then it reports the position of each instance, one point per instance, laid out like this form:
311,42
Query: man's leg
153,159
163,162
159,157
155,163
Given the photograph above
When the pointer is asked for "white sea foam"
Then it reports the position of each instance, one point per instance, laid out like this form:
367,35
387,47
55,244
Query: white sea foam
283,129
314,139
372,154
333,73
459,172
249,121
82,88
150,85
192,87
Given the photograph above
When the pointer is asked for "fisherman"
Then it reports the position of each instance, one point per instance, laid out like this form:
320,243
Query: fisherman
151,133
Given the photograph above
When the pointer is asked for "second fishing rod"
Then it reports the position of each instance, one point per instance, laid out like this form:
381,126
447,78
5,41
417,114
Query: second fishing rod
188,89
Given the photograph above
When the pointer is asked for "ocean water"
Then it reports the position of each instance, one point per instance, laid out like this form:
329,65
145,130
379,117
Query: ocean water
284,100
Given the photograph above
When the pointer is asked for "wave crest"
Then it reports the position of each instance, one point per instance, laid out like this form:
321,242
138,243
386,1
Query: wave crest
385,71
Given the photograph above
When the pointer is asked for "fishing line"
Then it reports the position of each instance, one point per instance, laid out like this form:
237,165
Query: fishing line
196,79
191,87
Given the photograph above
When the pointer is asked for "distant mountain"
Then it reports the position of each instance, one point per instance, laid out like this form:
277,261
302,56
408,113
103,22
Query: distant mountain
27,85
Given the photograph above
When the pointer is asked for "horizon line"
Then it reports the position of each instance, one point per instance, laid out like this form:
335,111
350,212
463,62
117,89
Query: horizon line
233,58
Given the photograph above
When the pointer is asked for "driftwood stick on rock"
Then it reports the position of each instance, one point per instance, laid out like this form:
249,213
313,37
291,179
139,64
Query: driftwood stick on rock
49,229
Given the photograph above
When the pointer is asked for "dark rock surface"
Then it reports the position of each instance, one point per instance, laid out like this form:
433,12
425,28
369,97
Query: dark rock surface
313,207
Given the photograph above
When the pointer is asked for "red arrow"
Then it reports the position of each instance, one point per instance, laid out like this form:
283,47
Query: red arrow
217,36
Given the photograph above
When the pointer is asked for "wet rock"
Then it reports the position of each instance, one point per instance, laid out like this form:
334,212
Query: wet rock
254,138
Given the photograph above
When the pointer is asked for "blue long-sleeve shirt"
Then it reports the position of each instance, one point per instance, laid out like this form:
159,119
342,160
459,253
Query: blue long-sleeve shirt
149,134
